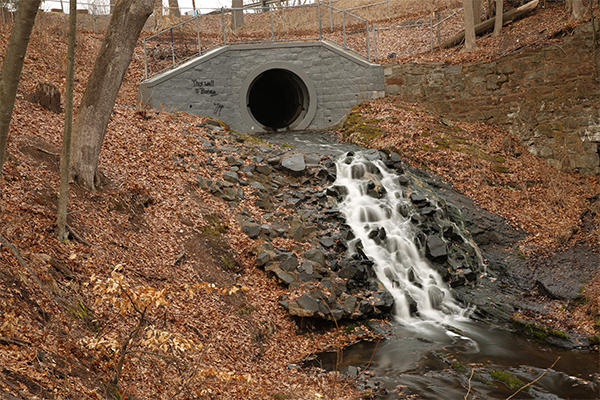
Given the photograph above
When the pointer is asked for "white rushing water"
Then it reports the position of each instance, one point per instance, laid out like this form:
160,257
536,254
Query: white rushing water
399,263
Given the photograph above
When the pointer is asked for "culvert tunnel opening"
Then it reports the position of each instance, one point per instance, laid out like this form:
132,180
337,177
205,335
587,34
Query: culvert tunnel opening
277,98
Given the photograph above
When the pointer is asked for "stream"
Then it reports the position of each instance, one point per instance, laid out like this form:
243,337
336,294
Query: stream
435,350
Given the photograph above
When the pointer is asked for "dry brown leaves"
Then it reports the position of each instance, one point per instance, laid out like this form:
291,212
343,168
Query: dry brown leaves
142,219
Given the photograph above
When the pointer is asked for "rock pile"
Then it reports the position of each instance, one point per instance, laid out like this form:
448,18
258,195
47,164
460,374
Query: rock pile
327,274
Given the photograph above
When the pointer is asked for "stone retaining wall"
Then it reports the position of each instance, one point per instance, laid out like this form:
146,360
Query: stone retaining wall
545,95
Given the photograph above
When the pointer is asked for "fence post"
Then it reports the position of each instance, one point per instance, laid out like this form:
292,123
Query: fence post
145,61
198,33
431,32
320,22
272,30
330,16
344,24
368,44
389,12
375,42
223,23
172,47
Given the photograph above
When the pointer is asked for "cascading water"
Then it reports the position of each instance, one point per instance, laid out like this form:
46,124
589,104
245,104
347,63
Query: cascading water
434,351
373,209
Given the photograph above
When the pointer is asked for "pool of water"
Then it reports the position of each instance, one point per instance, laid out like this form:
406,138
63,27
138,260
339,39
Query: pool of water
438,365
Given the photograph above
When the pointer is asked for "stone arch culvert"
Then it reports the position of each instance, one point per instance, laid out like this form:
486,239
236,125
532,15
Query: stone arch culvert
268,87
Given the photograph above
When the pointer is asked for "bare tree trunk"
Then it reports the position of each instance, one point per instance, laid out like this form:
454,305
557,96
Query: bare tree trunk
112,6
569,5
470,43
498,20
12,67
577,9
237,20
174,9
65,156
476,11
103,86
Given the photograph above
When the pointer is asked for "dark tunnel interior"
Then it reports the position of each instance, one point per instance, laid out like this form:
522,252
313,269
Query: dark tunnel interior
276,98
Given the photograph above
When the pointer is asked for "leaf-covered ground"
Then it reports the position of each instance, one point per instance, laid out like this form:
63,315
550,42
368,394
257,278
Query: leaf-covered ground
155,240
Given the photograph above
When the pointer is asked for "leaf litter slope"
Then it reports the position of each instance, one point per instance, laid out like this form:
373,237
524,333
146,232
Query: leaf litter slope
165,236
150,219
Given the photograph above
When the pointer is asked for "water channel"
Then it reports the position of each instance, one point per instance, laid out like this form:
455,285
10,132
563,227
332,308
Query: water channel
436,351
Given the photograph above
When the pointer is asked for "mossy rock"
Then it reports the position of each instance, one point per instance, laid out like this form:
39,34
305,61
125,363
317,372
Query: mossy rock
538,331
508,379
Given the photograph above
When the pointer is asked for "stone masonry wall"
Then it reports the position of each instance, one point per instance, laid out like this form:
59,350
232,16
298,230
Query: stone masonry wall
212,85
547,96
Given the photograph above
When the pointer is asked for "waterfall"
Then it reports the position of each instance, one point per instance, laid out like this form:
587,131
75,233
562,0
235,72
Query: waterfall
377,209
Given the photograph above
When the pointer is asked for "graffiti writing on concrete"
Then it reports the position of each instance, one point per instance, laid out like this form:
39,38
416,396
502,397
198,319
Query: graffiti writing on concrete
218,108
202,87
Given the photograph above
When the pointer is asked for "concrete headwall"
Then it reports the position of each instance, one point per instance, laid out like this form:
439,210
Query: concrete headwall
330,80
546,95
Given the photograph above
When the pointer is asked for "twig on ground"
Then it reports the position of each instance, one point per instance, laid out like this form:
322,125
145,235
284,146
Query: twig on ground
469,390
77,236
17,254
533,381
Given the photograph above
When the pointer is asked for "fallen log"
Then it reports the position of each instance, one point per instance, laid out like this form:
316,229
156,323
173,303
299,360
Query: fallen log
485,26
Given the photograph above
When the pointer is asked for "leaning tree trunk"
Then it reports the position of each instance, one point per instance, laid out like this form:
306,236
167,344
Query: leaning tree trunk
12,67
103,86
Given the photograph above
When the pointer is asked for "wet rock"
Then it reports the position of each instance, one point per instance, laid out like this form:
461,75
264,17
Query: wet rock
294,165
353,271
404,180
383,301
419,200
412,304
436,296
365,307
436,249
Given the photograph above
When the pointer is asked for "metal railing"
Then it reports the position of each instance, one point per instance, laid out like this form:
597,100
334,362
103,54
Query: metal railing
179,43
